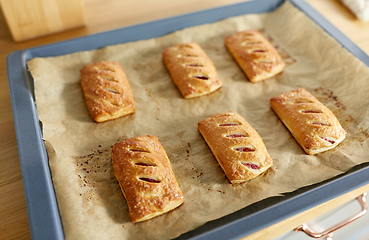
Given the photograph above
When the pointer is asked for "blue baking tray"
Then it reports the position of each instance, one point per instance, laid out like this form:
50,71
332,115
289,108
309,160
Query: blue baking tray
43,214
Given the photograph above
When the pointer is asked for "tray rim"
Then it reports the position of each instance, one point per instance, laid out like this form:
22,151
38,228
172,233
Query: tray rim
43,214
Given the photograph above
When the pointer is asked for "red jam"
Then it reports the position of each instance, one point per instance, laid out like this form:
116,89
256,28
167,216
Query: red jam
150,180
251,165
138,150
201,77
235,135
321,124
142,164
244,149
328,140
194,65
260,50
112,91
311,111
228,124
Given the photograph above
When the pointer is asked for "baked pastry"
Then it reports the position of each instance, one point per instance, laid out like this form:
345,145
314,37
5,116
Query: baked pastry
106,90
191,69
146,178
311,123
238,148
256,56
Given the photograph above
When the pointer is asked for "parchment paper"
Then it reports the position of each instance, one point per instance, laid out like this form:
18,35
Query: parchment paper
90,201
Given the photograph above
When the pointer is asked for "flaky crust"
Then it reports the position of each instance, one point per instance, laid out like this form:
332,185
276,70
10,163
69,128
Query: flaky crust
226,141
106,90
144,173
312,124
191,69
256,56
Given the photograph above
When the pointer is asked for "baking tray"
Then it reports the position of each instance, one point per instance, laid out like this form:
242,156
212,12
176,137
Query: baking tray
44,218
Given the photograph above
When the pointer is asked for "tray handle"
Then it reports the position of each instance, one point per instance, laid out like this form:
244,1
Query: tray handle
329,232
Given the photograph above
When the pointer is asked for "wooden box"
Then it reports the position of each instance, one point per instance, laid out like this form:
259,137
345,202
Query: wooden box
29,19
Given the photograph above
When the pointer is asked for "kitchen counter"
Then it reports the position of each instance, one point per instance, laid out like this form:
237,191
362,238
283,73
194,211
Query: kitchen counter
105,15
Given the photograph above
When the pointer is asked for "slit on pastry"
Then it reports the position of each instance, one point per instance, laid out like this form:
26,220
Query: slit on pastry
256,56
238,148
106,90
191,70
145,176
311,123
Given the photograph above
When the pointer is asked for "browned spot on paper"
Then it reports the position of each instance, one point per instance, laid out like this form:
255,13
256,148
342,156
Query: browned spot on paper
328,95
365,133
98,185
122,138
361,136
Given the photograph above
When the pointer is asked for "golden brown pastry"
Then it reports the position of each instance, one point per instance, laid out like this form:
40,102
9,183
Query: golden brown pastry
311,123
238,148
106,90
144,173
256,56
191,69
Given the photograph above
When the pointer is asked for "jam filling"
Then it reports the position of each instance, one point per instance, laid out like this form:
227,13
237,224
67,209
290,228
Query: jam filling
138,150
311,111
228,124
150,180
237,135
201,77
244,149
328,140
251,165
112,91
259,50
144,164
194,65
321,124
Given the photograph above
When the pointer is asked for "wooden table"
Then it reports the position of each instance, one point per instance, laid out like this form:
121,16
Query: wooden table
105,15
